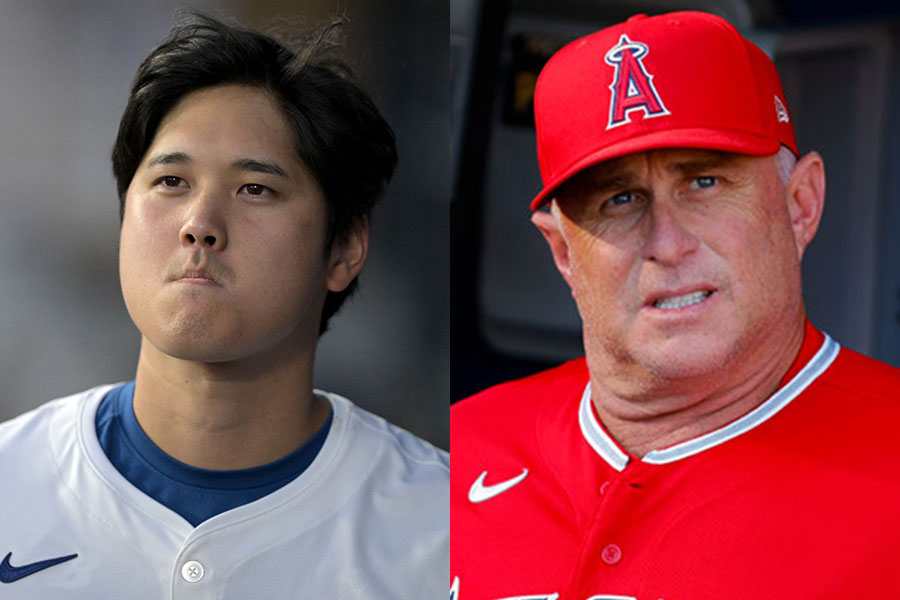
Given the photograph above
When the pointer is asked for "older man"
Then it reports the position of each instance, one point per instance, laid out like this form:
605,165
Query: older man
712,443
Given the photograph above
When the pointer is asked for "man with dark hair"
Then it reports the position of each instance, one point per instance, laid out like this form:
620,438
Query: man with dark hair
336,129
712,443
246,174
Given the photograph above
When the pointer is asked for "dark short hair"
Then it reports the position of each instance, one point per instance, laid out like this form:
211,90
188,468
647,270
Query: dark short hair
338,131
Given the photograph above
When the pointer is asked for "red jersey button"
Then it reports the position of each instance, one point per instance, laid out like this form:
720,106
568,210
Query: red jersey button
611,554
604,487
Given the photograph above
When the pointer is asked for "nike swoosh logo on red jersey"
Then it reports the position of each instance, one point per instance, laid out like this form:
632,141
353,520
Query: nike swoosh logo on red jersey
480,492
454,594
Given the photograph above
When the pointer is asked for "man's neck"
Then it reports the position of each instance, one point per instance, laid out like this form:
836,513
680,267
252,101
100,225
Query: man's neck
655,414
226,416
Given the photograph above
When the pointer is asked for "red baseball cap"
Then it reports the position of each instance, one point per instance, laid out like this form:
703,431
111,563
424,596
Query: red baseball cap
679,80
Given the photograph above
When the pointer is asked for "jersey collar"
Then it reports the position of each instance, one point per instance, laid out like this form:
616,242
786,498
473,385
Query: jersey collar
618,459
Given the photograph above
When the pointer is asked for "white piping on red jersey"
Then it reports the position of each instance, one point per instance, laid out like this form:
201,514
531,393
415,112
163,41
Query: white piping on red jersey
610,451
596,435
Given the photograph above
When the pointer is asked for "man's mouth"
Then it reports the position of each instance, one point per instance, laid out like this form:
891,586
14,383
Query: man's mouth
197,275
676,302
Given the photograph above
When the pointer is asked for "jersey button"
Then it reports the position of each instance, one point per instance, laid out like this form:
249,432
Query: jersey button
611,555
192,571
604,487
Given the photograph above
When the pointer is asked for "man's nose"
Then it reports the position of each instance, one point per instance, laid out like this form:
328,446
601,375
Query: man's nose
204,223
668,239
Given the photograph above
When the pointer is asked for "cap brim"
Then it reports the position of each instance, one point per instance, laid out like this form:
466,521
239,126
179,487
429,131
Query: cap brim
700,138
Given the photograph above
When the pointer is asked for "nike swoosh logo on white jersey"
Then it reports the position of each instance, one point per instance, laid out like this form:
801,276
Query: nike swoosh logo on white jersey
10,574
480,492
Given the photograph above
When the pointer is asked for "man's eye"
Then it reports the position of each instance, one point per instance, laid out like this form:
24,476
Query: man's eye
256,189
621,199
703,183
170,181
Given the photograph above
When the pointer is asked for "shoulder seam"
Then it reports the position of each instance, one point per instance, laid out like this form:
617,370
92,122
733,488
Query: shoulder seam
399,447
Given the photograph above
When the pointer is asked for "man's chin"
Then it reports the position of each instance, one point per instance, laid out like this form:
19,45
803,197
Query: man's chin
684,367
194,350
686,356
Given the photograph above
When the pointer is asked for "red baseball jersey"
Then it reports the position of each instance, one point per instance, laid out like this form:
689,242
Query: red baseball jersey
799,498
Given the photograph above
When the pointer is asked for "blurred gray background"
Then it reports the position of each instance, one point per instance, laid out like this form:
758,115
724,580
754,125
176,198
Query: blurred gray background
65,71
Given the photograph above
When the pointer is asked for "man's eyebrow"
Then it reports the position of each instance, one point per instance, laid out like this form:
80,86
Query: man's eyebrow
612,180
692,165
594,181
170,158
599,181
609,174
244,164
259,166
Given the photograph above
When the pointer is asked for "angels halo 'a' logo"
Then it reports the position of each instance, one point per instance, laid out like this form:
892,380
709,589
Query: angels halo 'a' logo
632,87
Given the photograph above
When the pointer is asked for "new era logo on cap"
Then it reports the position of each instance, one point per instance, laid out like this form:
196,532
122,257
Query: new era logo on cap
679,80
780,111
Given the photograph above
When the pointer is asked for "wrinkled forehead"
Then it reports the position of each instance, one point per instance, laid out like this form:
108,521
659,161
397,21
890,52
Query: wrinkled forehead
631,168
672,160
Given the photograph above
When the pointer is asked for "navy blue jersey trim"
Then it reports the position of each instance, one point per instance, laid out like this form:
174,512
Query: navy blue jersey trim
195,494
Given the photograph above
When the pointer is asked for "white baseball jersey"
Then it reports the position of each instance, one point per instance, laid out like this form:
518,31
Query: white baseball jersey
369,519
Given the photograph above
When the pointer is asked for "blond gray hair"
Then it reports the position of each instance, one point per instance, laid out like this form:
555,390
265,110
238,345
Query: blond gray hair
784,163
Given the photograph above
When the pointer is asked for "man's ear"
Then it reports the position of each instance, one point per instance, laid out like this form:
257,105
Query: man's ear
550,226
348,253
805,195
